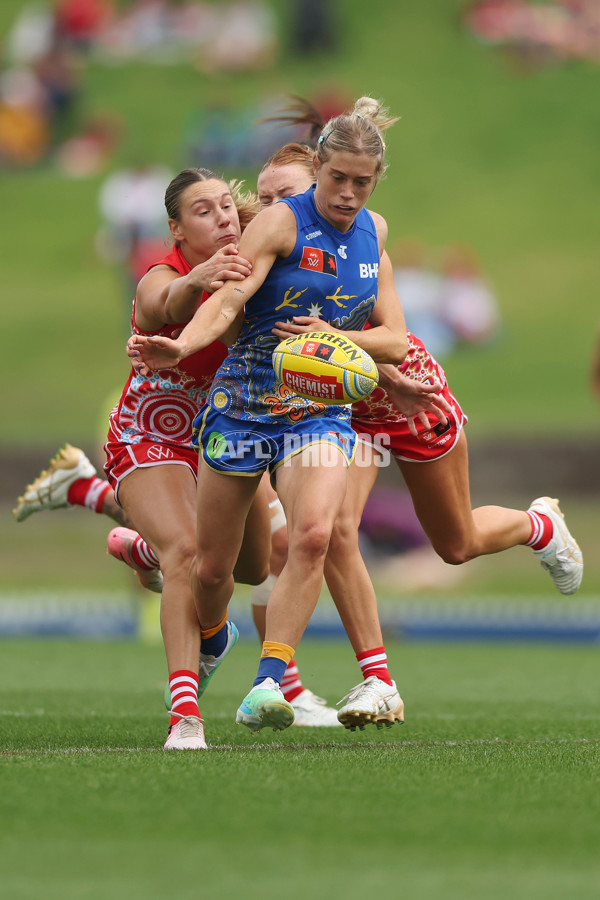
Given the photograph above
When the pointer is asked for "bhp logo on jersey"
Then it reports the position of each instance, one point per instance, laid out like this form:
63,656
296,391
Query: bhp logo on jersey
366,270
316,260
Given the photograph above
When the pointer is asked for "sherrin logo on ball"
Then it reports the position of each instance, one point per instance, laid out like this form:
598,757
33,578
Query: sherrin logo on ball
325,367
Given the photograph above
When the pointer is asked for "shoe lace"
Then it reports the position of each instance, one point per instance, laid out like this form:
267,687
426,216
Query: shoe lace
189,726
563,558
367,688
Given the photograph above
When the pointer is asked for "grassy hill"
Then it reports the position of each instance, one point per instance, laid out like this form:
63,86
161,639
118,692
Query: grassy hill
504,161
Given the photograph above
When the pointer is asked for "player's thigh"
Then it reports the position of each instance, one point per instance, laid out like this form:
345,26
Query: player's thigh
440,493
223,505
312,486
161,503
362,475
252,565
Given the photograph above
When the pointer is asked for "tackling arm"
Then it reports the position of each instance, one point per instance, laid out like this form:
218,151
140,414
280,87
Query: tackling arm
270,234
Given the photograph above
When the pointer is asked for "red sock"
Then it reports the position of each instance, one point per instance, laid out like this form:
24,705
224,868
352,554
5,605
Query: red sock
541,530
374,662
90,492
291,686
143,555
183,685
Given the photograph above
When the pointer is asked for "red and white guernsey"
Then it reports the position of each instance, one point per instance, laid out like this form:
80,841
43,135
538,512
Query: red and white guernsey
160,408
418,365
377,420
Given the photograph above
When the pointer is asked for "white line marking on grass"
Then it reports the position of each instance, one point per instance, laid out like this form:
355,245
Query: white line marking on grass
331,745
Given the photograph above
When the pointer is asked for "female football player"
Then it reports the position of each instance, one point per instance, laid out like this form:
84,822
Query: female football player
319,253
413,416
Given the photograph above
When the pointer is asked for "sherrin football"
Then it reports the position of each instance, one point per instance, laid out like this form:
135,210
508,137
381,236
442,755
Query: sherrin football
325,367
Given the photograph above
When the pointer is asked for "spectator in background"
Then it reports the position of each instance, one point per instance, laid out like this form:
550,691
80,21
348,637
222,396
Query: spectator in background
59,74
419,289
88,152
468,304
79,22
537,33
223,135
24,129
38,89
31,35
450,308
314,27
133,231
245,38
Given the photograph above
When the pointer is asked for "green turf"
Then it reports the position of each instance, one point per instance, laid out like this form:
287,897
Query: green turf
488,790
483,155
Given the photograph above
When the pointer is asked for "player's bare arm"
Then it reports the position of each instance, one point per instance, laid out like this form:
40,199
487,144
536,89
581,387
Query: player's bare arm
271,234
165,297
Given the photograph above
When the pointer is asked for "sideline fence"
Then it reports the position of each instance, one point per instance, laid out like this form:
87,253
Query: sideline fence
103,616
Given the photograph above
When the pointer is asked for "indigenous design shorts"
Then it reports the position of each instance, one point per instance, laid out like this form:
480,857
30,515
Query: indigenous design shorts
243,447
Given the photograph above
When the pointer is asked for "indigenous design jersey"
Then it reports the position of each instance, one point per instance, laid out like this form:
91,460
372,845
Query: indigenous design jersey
418,365
161,407
330,274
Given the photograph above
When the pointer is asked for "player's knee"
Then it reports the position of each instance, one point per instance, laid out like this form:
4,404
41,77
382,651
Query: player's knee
312,542
345,531
252,572
177,558
210,573
455,554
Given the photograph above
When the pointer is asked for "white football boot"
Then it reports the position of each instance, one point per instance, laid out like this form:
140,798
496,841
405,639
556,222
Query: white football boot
51,487
186,734
312,711
372,702
562,557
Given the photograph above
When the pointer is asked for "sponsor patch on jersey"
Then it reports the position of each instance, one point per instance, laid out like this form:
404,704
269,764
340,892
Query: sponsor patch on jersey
316,260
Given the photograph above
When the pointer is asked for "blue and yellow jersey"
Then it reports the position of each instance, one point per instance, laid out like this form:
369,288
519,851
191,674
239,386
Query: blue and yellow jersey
330,274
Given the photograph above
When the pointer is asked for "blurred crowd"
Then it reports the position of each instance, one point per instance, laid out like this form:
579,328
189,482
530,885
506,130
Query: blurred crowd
49,45
47,49
155,30
537,33
225,135
447,303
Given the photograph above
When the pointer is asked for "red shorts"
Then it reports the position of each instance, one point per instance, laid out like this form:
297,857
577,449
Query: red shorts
122,459
395,438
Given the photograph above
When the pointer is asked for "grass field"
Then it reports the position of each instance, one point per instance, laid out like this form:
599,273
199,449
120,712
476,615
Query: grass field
489,790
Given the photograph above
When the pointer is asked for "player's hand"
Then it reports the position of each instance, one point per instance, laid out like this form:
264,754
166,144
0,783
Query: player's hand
302,325
416,400
148,353
224,265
